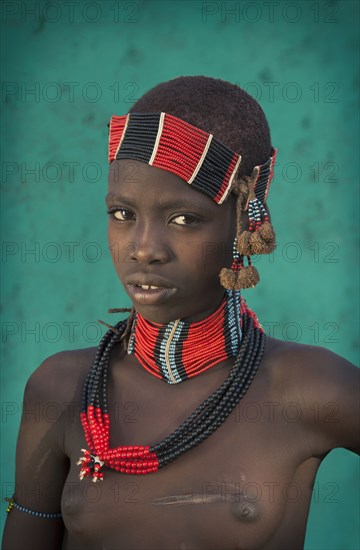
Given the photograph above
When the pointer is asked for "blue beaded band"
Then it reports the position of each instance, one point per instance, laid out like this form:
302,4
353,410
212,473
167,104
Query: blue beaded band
44,515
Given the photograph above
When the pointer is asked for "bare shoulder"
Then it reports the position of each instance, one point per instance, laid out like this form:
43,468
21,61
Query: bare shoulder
60,375
302,364
324,385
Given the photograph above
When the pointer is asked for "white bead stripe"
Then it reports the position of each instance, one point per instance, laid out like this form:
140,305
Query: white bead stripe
157,141
122,136
227,190
202,158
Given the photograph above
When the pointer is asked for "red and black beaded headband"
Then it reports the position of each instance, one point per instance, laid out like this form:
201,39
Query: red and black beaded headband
170,143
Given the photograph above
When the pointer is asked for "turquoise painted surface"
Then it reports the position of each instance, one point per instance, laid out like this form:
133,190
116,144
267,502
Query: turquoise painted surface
65,71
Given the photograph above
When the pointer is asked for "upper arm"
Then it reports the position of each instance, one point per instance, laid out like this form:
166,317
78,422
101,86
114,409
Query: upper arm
327,387
41,464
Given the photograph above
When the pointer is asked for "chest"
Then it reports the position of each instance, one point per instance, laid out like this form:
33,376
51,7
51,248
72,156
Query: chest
229,492
211,497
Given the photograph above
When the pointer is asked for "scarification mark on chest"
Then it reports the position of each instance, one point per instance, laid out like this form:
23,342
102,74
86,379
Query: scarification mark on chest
240,505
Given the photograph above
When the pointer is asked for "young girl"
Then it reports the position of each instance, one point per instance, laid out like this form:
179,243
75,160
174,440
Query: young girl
190,171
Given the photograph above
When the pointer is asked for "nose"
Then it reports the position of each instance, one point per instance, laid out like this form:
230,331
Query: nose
150,245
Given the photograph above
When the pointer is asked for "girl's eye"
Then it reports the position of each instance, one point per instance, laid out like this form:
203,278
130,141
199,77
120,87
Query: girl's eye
185,219
121,214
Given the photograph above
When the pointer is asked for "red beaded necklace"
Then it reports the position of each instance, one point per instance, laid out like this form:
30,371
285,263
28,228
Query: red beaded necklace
180,350
203,421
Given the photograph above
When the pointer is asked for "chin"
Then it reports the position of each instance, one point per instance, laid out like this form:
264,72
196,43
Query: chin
167,315
159,317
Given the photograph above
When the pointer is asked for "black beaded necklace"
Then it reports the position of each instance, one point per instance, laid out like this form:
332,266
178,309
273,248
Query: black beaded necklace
206,418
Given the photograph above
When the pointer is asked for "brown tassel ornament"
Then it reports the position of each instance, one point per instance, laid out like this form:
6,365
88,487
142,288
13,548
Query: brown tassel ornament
239,276
260,237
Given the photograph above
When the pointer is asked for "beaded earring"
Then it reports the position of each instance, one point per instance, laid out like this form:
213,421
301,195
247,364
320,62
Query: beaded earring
239,276
260,238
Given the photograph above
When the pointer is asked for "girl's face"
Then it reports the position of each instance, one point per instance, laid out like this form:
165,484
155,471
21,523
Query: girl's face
164,234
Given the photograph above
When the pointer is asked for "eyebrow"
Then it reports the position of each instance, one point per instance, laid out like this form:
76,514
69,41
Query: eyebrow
169,204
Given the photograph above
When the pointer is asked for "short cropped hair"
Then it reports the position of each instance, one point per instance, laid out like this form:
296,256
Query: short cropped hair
217,107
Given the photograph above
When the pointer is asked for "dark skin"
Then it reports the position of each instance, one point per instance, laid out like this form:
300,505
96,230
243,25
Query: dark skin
248,486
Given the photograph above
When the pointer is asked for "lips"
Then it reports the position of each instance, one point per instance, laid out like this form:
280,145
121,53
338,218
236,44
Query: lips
146,290
142,279
148,287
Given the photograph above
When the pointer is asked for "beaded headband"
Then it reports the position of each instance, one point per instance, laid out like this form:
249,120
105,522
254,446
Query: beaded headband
170,143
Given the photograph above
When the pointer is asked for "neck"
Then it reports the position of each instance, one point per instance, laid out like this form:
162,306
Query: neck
179,350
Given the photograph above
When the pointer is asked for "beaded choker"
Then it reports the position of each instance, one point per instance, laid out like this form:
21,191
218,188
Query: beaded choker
180,350
207,417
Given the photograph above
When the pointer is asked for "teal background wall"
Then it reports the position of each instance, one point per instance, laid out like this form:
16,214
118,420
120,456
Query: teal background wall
67,70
